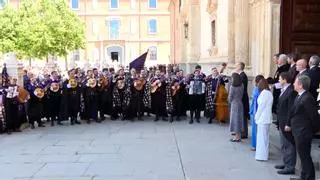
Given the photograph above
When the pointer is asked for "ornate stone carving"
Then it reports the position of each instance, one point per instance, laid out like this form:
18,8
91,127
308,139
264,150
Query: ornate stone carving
213,51
212,7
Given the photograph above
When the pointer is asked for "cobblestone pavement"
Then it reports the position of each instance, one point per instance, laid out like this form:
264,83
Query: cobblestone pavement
122,150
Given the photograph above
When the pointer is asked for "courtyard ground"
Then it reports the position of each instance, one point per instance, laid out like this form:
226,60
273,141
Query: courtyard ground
141,150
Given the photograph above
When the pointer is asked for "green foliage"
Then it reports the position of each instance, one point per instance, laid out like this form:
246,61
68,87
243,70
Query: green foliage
39,28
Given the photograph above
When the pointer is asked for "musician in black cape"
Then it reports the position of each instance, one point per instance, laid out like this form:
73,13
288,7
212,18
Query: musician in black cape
105,94
11,102
91,99
119,86
70,103
158,97
54,97
35,110
178,93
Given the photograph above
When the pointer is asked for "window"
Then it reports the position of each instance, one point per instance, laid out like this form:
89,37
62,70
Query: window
152,27
2,3
152,4
114,29
153,53
75,4
213,33
114,4
186,30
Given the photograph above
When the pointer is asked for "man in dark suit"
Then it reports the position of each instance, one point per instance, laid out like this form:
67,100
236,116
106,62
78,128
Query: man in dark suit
292,60
285,103
303,123
302,68
314,74
283,66
245,98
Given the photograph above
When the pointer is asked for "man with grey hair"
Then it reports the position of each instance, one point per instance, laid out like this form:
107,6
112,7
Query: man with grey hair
314,74
303,122
283,66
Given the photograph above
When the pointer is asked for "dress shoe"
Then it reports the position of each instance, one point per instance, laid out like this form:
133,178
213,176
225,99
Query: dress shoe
279,166
52,123
198,121
59,123
164,119
178,118
191,122
286,171
9,132
78,122
41,125
17,130
244,137
171,119
295,179
32,126
210,121
156,119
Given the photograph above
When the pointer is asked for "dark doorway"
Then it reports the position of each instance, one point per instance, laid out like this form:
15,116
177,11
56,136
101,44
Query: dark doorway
115,56
300,27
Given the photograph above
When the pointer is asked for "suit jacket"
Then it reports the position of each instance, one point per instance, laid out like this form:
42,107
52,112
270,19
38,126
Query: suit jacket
293,72
245,97
276,92
305,73
283,68
285,103
314,74
304,116
264,111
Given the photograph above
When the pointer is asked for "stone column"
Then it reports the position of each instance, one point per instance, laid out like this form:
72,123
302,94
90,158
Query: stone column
231,40
242,31
13,67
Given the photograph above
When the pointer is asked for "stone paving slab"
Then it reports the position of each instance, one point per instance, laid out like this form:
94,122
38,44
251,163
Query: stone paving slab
121,150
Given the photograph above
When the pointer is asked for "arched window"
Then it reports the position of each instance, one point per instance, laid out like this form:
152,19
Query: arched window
153,53
213,33
152,26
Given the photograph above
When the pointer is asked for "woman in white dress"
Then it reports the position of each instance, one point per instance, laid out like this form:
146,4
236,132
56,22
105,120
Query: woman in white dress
263,118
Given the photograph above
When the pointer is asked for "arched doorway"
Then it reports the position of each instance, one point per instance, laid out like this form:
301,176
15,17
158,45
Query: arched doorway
114,53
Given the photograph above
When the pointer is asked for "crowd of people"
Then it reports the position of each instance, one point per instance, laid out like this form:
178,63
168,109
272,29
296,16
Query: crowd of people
169,94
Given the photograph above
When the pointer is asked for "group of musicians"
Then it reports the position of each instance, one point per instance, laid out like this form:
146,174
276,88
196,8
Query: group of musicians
92,95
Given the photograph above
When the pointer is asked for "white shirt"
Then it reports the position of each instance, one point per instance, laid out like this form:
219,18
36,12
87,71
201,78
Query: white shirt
283,89
302,71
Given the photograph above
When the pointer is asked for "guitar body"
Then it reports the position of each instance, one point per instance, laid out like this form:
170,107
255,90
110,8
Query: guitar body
222,108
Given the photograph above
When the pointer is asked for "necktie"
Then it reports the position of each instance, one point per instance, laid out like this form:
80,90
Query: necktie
297,99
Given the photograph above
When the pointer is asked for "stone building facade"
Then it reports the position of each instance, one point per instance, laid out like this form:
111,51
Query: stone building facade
215,31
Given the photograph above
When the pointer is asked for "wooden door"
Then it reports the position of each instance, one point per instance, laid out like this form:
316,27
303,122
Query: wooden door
300,27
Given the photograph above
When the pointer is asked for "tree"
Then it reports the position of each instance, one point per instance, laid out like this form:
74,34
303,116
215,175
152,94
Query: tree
40,28
9,30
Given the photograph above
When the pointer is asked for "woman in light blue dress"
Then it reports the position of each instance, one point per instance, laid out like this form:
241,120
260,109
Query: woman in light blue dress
253,110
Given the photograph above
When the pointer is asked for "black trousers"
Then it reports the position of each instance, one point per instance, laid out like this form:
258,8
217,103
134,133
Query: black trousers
11,111
33,119
303,145
288,150
196,105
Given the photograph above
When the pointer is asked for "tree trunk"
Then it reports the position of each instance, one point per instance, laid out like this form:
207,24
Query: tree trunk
66,62
30,62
